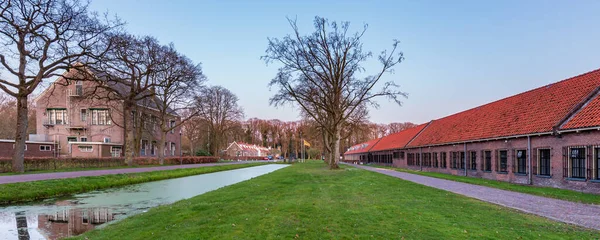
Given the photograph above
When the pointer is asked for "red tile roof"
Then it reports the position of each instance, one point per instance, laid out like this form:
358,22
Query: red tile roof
588,116
362,148
534,111
398,140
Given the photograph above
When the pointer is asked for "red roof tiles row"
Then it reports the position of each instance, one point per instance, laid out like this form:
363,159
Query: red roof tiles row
540,110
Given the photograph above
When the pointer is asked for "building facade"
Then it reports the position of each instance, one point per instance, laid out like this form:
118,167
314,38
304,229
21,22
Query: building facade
80,124
549,136
236,149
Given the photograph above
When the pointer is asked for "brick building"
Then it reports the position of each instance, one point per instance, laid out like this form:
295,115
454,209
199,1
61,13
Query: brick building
236,149
81,124
32,148
548,136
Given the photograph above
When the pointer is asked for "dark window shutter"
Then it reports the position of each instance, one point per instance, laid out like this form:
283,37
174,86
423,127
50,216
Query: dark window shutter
565,162
534,161
514,162
497,159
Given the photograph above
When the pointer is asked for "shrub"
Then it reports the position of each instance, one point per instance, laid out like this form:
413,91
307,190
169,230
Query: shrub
39,163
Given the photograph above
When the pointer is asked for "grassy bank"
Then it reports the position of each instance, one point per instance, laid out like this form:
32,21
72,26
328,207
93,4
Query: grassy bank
79,169
563,194
29,191
307,201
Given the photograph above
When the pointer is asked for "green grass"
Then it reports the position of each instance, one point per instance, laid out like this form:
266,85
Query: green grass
557,193
36,190
307,201
79,169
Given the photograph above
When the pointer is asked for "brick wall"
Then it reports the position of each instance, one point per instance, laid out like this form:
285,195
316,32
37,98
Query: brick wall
554,143
33,150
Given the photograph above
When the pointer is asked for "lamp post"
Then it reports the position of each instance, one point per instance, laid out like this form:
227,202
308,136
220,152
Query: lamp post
180,154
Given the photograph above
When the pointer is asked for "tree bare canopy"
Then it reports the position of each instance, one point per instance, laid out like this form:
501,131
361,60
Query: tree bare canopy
179,81
320,73
219,107
129,72
40,39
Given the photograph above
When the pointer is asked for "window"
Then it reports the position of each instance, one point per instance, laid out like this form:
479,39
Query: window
577,162
443,160
143,147
487,159
418,159
473,162
45,148
106,140
172,149
83,115
503,160
402,155
56,116
544,162
521,164
153,148
133,119
71,139
78,88
83,139
154,122
172,126
100,117
85,148
395,155
115,151
435,160
453,160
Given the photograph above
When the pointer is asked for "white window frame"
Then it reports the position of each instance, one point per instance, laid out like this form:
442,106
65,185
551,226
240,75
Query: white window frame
106,140
81,148
112,151
173,147
53,113
81,139
44,147
101,117
172,124
83,115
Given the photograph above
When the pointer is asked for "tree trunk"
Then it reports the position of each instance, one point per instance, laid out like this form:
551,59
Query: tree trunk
21,135
336,149
161,147
129,147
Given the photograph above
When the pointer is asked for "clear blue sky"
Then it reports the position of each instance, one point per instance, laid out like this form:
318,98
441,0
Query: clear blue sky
459,54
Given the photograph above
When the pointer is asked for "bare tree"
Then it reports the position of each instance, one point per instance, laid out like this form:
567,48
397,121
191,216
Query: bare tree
179,80
127,74
319,73
40,39
219,107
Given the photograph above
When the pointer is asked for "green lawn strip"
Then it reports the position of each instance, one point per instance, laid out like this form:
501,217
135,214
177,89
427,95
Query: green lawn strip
80,169
36,190
557,193
307,201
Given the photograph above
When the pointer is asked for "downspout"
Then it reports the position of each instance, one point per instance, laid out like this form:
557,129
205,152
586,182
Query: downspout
465,159
530,179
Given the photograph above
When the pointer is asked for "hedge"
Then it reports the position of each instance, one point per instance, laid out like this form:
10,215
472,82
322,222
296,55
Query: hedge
40,164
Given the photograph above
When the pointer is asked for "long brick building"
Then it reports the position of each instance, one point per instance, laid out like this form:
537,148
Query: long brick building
548,136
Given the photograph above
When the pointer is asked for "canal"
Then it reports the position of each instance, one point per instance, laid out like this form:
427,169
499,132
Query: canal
59,218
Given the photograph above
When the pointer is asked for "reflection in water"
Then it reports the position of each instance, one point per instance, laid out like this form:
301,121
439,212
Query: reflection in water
72,222
83,212
22,225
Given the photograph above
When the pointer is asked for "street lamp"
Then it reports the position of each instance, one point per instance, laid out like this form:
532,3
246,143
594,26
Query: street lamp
180,155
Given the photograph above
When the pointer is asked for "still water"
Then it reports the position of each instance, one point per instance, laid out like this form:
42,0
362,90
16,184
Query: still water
73,216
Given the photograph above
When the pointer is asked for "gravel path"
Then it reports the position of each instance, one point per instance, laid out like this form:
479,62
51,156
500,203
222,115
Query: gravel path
585,215
58,175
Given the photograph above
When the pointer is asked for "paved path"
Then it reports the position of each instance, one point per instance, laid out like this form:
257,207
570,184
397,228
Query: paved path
585,215
58,175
